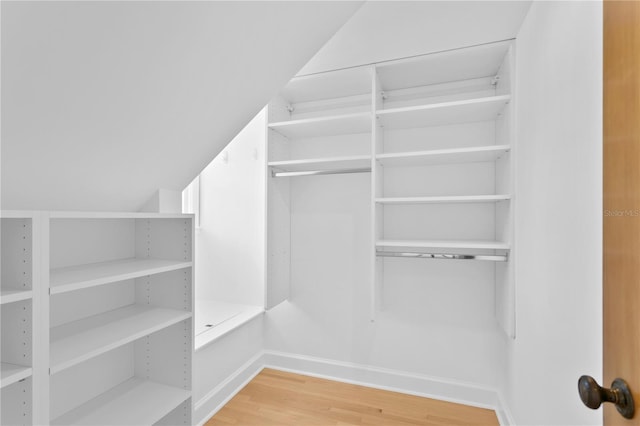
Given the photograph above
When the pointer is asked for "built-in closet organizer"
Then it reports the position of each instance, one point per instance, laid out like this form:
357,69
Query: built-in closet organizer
440,195
319,158
18,307
120,319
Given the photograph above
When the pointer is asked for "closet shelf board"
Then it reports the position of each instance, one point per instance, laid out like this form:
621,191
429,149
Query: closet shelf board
77,277
328,85
444,156
11,295
344,124
12,373
444,200
81,340
448,244
117,215
465,111
353,161
133,402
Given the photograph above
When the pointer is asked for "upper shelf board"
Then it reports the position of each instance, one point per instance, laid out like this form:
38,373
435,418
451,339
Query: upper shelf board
11,295
464,111
133,402
328,85
83,276
117,215
344,124
352,161
445,200
12,373
81,340
442,67
444,156
447,244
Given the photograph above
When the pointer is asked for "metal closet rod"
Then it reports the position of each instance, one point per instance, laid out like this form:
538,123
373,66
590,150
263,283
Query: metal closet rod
449,256
320,172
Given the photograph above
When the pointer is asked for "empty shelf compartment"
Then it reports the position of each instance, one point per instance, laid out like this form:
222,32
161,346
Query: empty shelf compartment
80,340
133,402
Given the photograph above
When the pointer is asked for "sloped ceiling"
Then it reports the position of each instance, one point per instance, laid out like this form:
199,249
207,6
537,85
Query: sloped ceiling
105,102
383,30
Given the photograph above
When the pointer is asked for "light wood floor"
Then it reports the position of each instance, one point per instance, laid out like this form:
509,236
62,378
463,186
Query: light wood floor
279,398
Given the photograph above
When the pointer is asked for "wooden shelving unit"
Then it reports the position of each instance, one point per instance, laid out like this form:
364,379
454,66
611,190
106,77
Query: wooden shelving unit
351,161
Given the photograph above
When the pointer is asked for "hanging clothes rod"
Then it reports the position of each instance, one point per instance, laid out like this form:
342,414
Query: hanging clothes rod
450,256
320,172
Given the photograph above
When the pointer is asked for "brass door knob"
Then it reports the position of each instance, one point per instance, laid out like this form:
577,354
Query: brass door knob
593,395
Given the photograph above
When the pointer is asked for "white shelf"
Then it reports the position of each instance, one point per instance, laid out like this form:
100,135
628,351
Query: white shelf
443,67
444,156
465,111
353,161
444,200
10,295
448,244
216,319
12,373
77,277
345,124
134,402
80,340
328,85
60,214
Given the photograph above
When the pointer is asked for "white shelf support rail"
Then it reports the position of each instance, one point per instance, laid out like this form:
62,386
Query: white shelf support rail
276,174
447,256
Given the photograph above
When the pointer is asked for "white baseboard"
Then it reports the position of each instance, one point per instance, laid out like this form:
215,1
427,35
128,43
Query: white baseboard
393,380
380,378
502,411
214,400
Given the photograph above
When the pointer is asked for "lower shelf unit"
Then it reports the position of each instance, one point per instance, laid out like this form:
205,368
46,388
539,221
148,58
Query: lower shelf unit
133,402
80,340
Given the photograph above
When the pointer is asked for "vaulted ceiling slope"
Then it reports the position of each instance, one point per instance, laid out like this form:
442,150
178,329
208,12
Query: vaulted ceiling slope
105,102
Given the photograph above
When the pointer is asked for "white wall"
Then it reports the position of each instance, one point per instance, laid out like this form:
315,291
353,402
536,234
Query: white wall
103,103
559,216
230,243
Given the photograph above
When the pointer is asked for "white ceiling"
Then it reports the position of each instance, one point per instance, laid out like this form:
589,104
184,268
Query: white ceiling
383,30
105,102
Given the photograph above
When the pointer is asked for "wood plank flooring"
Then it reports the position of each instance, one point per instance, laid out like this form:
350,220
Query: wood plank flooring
278,398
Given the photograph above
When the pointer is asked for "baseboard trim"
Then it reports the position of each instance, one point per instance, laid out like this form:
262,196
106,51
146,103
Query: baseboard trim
386,379
214,400
380,378
502,411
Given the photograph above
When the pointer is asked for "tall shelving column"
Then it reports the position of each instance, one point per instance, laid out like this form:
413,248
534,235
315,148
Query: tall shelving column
319,124
442,173
20,305
121,318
